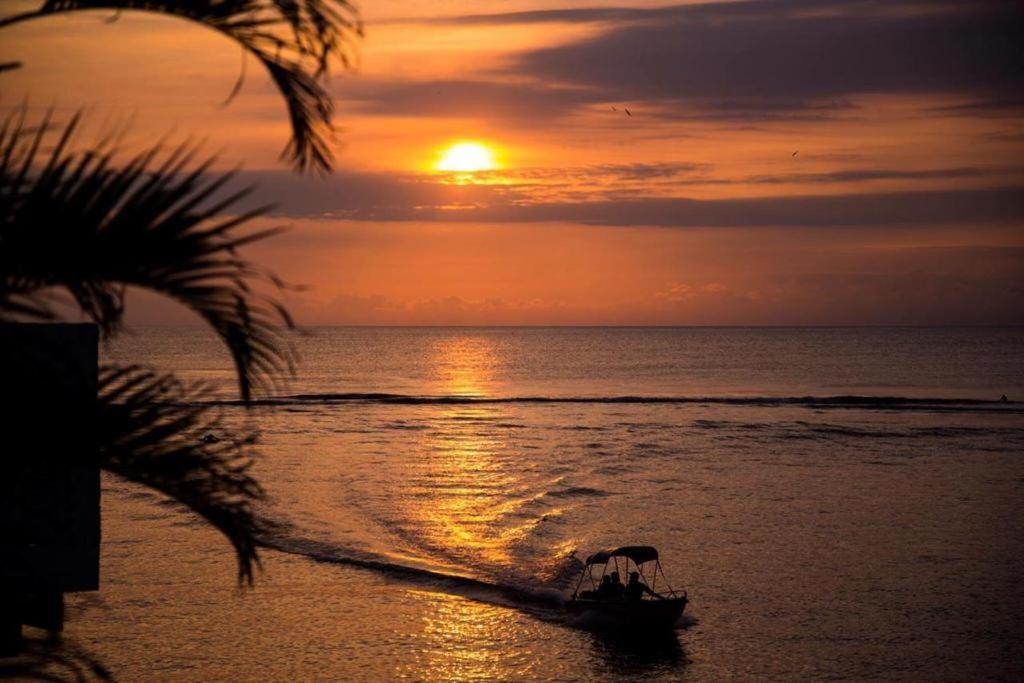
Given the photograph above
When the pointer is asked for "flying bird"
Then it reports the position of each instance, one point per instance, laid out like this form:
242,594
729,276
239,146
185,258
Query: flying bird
627,111
614,109
794,153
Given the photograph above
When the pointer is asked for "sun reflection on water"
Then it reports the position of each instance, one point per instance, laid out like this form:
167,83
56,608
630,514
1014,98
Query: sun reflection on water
469,488
465,640
465,365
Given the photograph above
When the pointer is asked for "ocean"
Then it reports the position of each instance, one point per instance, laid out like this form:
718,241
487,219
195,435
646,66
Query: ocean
840,503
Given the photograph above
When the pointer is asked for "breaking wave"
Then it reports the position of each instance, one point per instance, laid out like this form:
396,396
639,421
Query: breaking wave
817,402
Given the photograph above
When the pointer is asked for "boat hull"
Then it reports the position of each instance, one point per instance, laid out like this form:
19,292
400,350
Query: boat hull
629,613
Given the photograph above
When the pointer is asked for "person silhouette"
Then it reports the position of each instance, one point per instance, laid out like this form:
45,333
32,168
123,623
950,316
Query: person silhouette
636,588
615,587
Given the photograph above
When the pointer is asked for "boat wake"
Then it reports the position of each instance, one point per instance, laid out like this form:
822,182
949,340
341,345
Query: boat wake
544,602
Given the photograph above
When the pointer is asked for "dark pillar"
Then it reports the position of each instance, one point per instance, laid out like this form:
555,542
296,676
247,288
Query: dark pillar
49,473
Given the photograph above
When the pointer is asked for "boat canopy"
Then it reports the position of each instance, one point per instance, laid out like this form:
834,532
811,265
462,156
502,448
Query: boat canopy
638,553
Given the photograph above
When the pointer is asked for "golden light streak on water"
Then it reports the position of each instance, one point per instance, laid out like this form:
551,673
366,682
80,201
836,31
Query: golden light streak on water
467,467
464,640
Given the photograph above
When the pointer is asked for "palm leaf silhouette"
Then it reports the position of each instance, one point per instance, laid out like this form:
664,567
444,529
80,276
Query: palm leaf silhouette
294,40
80,222
51,657
154,430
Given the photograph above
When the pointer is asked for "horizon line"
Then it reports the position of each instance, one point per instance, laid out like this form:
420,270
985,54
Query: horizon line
300,327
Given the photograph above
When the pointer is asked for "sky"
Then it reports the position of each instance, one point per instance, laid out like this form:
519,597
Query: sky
782,162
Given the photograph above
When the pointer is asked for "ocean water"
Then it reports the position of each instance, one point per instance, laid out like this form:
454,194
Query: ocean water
839,503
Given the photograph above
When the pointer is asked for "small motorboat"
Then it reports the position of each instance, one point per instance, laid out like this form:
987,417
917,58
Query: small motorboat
637,604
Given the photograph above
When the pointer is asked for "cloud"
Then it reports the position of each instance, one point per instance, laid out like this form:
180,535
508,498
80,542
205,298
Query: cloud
565,15
903,286
680,291
613,172
389,197
914,298
466,98
1004,106
748,61
971,285
376,309
789,54
866,174
863,209
411,273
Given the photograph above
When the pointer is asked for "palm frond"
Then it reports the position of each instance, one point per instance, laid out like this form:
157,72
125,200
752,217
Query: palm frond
82,222
295,40
157,431
52,657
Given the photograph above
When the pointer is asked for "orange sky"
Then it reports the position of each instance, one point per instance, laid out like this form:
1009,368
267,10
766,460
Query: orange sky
903,204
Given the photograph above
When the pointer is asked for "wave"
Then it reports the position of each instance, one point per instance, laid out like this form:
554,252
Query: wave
827,430
817,402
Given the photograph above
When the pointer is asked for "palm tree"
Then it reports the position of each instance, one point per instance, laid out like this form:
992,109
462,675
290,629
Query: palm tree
83,223
80,222
75,222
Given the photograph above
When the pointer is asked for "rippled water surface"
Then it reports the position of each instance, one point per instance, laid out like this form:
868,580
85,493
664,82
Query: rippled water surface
839,503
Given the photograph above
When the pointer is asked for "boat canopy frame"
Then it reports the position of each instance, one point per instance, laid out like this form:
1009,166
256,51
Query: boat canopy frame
640,555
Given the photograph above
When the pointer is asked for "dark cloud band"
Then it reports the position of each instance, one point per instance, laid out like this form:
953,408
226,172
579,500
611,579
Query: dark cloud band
383,197
796,50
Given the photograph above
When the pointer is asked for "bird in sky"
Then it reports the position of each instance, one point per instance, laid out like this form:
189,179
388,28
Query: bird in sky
627,111
794,153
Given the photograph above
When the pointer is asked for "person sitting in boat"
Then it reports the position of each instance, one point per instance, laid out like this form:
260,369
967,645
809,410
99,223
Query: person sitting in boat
615,587
603,591
636,588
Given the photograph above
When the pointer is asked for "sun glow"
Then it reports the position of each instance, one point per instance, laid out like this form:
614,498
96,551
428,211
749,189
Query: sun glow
467,157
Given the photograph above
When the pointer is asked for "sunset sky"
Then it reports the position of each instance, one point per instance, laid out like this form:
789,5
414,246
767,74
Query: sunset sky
782,161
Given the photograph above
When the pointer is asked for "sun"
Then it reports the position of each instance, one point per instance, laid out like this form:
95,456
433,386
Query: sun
467,157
